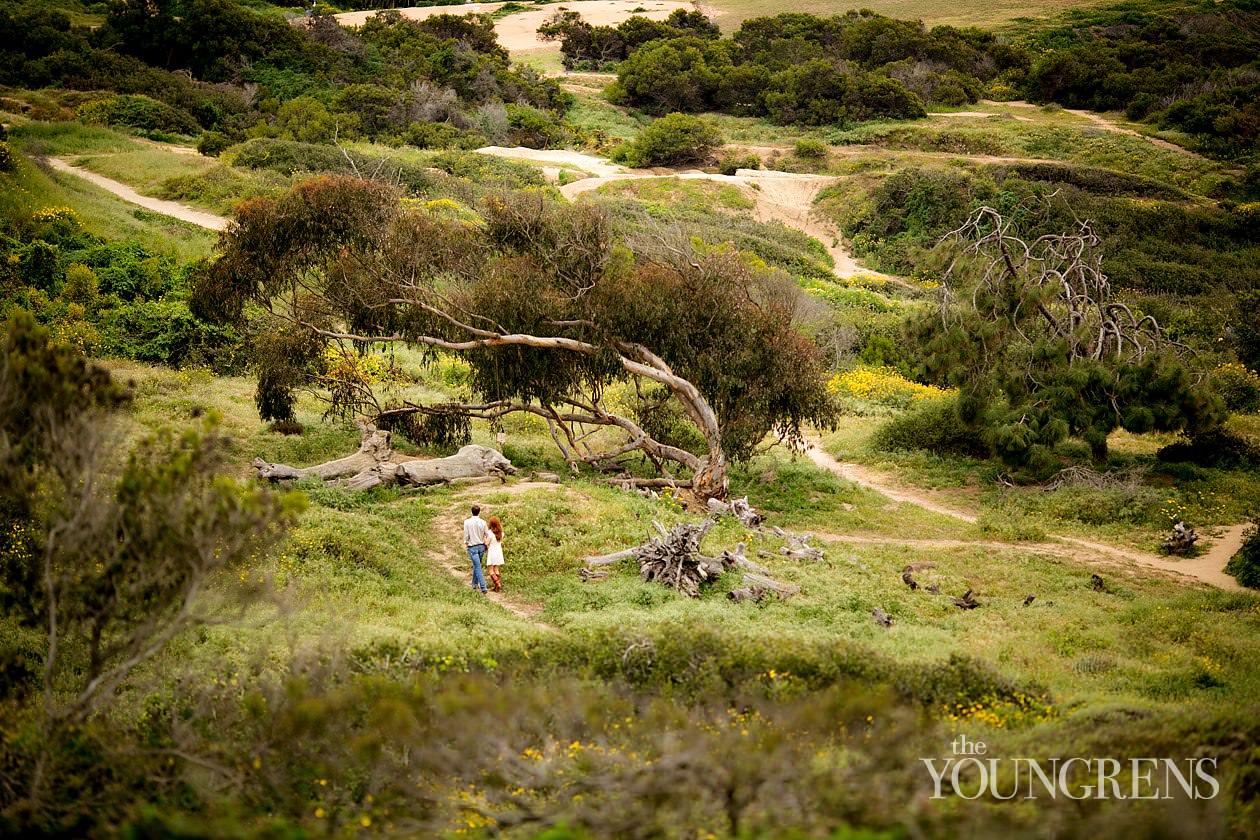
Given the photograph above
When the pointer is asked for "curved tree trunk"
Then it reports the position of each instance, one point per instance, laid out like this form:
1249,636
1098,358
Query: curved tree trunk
374,464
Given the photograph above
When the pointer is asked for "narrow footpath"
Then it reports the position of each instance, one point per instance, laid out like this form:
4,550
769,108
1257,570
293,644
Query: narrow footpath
1208,568
175,210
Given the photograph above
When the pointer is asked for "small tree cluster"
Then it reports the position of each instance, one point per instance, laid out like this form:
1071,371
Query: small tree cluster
104,563
543,303
798,68
1040,350
587,47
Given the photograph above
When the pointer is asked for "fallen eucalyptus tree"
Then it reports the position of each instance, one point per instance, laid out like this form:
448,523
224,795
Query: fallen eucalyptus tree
672,557
376,464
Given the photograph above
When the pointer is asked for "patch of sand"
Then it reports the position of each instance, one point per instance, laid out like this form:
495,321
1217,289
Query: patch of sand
519,32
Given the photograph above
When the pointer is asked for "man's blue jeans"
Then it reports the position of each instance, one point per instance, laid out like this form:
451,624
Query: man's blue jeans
477,553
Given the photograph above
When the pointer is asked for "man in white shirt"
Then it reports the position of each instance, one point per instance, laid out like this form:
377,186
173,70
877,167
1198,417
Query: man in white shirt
475,541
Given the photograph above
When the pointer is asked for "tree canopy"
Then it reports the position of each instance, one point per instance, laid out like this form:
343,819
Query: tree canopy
545,305
1041,350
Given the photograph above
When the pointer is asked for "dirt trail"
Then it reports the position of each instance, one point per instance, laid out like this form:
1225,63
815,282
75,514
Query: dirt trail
1208,568
448,526
157,205
785,197
518,32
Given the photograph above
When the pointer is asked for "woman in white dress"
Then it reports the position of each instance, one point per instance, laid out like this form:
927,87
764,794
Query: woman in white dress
494,551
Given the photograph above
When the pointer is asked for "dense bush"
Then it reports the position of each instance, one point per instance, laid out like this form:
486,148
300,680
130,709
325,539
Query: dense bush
671,140
1238,387
797,68
808,147
933,425
165,332
1245,565
1217,448
138,112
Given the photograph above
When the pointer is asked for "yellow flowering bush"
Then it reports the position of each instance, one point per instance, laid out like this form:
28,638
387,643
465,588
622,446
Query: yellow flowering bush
883,385
52,215
1012,712
1238,386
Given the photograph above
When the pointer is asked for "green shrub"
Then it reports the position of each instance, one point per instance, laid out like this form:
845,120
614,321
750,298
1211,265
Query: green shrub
933,425
1245,565
673,139
138,112
213,143
8,161
488,169
165,332
808,147
730,164
1217,448
289,157
440,136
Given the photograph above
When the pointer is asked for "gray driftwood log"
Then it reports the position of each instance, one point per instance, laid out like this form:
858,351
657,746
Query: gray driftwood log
672,557
376,463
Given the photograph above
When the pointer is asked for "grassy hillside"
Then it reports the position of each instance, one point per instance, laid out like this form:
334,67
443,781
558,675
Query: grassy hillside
986,14
348,682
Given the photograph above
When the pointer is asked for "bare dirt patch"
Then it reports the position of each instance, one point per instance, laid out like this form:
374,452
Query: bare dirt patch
519,32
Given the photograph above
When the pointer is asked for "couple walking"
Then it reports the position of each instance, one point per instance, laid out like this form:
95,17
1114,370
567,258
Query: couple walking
484,541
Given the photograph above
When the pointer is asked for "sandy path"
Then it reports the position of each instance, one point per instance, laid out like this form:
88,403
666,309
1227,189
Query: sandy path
519,32
1100,121
167,208
777,196
1208,568
448,526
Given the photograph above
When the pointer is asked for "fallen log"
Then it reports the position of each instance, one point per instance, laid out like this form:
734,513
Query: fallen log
798,547
374,449
609,559
784,589
375,464
738,508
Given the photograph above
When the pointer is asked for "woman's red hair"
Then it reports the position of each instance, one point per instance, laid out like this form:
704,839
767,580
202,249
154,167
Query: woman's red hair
497,527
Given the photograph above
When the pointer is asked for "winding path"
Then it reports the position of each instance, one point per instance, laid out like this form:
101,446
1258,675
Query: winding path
785,197
1208,568
175,210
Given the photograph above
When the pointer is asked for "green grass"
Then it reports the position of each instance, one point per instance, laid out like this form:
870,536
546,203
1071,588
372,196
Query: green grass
1039,136
146,168
31,188
69,138
592,113
364,568
681,194
1131,514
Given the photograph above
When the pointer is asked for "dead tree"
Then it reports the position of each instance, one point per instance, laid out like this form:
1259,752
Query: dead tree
376,464
672,557
1030,328
1181,540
